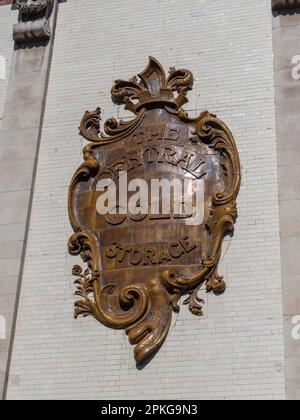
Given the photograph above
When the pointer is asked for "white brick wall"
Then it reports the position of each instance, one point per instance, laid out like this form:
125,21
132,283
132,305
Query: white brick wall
7,19
236,350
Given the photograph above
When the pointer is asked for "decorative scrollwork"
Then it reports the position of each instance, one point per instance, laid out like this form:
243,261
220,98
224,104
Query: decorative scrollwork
142,301
90,127
31,7
180,81
152,87
222,214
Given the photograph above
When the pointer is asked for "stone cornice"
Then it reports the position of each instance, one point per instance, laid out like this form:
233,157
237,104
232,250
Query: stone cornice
285,4
32,31
33,25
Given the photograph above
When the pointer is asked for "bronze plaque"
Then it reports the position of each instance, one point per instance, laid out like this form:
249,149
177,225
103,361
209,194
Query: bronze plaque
150,207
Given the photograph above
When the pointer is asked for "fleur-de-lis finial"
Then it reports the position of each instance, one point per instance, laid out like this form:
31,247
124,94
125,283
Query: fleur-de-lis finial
152,88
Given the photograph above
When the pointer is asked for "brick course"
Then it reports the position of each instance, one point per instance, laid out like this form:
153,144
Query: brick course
236,349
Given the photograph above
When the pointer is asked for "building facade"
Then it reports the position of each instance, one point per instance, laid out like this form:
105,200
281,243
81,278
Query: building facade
63,60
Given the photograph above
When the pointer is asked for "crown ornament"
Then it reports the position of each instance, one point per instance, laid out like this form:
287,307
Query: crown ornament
153,89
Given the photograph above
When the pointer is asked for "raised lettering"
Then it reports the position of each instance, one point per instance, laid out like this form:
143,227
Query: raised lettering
186,245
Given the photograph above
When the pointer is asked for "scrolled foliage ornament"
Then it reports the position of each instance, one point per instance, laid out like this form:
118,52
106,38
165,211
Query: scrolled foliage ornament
140,266
31,7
